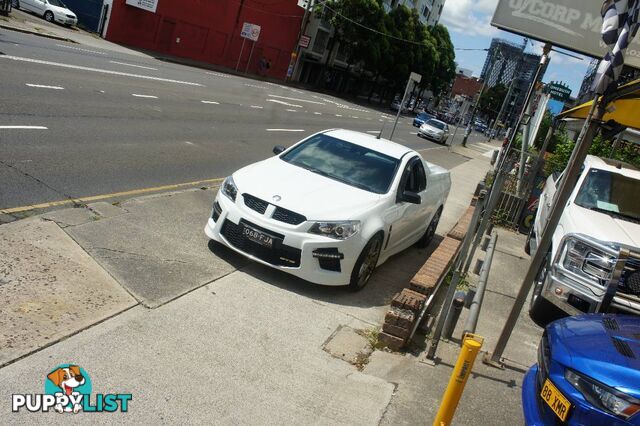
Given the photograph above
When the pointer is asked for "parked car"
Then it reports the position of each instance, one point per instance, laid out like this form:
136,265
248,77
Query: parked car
601,216
50,10
588,373
435,130
421,118
330,208
395,105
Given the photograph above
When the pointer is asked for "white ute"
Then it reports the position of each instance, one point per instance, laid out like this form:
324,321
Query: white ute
601,216
330,208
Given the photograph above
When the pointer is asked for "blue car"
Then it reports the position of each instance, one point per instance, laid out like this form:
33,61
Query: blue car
421,118
588,373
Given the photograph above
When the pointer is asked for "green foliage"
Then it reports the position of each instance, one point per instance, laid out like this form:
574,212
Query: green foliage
429,51
491,100
626,151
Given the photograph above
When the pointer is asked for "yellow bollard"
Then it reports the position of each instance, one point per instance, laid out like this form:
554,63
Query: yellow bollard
470,347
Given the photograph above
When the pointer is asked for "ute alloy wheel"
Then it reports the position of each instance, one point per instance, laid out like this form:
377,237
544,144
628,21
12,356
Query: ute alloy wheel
366,263
431,230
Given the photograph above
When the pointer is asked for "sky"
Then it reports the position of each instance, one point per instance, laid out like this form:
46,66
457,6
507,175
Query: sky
469,26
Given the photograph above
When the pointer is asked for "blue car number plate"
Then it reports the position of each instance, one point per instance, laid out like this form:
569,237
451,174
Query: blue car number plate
258,237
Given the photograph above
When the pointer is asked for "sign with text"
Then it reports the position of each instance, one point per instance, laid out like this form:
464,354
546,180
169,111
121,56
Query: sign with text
572,24
304,41
558,91
148,5
250,31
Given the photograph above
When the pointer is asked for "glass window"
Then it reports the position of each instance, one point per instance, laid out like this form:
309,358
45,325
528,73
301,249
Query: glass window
610,193
320,43
416,178
437,124
345,162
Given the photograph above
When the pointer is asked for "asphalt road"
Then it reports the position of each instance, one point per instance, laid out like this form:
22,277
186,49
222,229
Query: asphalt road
79,121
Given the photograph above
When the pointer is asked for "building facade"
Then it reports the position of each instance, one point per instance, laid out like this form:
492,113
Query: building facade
507,63
428,10
209,30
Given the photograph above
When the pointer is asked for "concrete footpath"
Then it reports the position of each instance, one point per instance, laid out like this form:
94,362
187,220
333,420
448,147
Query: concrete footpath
133,293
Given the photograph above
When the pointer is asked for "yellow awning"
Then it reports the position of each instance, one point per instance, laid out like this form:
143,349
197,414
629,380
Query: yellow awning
624,110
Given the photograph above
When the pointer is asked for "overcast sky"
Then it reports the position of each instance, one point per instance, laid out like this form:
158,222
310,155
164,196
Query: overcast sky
469,26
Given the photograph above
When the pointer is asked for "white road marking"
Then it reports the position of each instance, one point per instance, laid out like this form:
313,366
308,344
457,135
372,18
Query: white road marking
82,50
285,130
188,143
373,131
211,102
217,74
256,106
132,65
338,115
24,127
296,99
42,86
283,103
414,133
353,117
317,113
486,145
489,154
433,147
144,96
78,67
291,110
255,85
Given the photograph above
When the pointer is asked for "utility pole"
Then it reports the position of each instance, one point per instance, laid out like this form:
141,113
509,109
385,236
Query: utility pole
303,29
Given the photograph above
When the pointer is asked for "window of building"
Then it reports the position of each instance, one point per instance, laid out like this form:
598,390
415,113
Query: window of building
320,43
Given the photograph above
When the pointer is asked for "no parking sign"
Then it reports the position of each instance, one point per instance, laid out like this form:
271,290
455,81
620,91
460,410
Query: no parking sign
250,31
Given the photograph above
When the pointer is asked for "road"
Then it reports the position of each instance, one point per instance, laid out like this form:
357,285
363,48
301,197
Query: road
79,121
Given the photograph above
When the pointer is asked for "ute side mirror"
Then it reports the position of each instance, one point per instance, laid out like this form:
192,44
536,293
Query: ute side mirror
411,197
278,149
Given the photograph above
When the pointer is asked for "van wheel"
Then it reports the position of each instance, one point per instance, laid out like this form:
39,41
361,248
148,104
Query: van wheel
541,311
366,263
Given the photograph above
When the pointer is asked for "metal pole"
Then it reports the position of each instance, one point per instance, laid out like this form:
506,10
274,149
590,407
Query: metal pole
496,188
526,134
250,54
560,200
474,309
454,315
451,291
303,29
240,55
406,90
465,108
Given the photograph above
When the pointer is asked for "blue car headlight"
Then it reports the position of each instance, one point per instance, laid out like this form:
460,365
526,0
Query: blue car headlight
229,188
602,396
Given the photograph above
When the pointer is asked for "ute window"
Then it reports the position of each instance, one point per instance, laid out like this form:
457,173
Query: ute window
345,162
610,193
415,179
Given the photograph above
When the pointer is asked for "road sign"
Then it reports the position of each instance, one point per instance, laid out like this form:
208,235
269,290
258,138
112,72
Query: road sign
573,24
415,77
148,5
304,41
558,91
250,31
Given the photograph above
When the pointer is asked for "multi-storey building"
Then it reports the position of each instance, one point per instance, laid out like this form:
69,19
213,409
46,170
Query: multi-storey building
507,63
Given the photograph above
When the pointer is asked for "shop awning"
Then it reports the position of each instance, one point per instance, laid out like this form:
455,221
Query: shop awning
624,110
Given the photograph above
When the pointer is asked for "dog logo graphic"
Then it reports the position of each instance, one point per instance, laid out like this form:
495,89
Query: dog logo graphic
71,381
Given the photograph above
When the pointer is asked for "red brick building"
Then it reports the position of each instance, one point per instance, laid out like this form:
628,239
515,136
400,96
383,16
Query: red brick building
466,86
209,30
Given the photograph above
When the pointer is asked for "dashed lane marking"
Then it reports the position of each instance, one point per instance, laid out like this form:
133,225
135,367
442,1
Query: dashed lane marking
132,65
284,103
24,128
43,86
285,130
144,96
80,49
296,99
211,102
78,67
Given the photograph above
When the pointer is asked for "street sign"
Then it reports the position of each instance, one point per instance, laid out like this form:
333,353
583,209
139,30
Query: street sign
148,5
304,41
572,24
558,91
415,77
250,31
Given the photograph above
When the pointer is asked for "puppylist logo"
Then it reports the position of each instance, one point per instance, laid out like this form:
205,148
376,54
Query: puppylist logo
67,389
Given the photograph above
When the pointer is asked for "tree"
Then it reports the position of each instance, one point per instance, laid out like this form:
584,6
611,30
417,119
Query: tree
491,101
445,68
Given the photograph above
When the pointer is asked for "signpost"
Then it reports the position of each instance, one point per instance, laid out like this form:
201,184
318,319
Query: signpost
572,24
558,91
304,41
413,77
148,5
249,32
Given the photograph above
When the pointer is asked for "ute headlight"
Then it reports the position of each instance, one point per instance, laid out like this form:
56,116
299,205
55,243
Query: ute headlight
583,259
338,230
229,188
602,396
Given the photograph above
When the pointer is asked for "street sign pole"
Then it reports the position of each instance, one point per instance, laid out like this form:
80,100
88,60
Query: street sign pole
413,77
240,55
303,29
250,54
